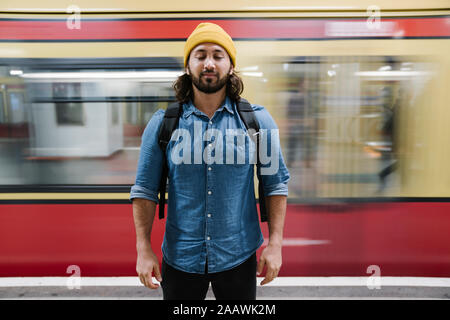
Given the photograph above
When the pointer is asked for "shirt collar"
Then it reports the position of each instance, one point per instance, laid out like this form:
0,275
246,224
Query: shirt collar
189,108
227,105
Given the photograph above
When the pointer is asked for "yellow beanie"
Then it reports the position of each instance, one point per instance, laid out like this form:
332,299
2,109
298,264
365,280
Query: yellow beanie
210,32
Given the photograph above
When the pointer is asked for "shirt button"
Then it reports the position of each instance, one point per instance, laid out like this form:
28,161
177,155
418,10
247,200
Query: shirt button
210,145
209,192
210,122
208,238
209,215
209,168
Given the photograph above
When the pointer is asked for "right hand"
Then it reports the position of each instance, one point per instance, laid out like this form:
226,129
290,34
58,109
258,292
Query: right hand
147,264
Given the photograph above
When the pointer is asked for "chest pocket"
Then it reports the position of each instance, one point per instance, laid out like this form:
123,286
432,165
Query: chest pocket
238,149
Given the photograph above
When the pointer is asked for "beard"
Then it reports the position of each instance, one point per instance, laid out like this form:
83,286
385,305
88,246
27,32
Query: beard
207,85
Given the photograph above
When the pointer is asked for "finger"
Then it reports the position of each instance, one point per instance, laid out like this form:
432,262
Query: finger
270,275
150,283
260,266
158,274
266,279
274,272
142,279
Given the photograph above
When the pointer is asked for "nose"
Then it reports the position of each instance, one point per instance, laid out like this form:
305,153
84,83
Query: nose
209,64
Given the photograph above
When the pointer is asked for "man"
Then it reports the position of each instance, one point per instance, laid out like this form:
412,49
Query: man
212,227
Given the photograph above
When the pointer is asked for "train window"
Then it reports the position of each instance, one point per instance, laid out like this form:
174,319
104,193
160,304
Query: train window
67,113
16,103
348,129
350,126
2,109
82,120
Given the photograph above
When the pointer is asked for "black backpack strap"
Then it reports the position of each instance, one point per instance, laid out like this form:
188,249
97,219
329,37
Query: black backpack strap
168,126
248,116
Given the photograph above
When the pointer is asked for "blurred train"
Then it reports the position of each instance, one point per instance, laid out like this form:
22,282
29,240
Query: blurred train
359,92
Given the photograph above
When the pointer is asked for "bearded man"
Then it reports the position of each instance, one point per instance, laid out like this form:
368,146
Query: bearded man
212,228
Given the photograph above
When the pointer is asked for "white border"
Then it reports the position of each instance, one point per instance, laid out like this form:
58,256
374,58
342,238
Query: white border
278,282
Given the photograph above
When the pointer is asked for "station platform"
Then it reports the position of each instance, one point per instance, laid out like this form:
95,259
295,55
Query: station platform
282,288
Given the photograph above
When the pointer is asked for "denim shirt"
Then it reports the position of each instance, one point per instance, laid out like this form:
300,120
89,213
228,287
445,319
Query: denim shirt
212,215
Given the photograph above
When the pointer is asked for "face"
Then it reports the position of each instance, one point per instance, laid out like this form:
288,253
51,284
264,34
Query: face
209,67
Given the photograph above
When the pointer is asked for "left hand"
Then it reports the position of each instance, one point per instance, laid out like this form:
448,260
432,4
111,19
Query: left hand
270,256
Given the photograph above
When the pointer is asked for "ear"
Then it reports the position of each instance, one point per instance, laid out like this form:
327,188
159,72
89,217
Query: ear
187,70
231,70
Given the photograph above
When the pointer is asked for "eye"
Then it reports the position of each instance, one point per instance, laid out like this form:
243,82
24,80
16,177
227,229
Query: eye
200,56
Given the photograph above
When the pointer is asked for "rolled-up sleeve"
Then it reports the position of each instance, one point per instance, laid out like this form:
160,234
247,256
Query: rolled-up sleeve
280,189
149,168
273,172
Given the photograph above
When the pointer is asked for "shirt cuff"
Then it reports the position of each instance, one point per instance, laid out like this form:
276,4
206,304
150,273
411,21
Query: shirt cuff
143,193
280,189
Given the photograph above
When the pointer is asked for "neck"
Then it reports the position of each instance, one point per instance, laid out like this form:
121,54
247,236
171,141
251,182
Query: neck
208,103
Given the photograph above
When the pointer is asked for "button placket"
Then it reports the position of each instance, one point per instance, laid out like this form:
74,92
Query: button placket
209,188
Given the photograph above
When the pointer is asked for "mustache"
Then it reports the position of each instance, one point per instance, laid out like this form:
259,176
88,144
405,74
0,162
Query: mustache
209,73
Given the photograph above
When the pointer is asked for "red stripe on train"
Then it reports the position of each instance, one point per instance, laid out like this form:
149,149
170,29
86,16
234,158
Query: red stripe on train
238,28
403,239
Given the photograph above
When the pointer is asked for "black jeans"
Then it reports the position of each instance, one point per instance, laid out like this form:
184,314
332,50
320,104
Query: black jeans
238,283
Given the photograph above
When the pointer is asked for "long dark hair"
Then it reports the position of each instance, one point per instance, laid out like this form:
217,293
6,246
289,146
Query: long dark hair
184,92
